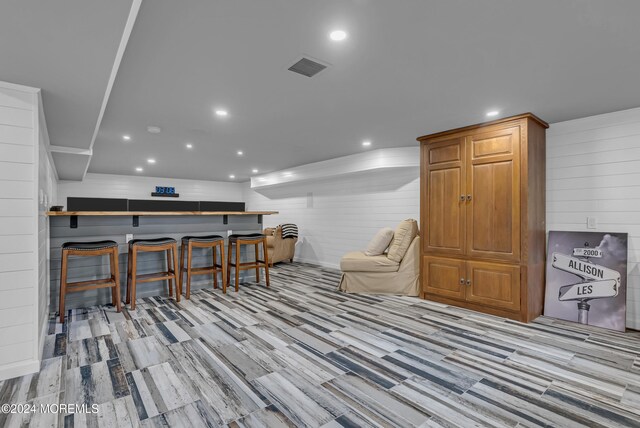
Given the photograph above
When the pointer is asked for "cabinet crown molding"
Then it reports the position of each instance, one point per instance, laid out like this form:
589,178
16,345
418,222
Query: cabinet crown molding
485,124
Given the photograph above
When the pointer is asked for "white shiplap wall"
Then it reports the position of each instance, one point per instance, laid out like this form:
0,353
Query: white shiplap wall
135,187
593,170
19,329
340,214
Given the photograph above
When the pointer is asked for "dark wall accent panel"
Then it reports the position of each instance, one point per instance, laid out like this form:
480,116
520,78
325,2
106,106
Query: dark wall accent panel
96,204
221,206
152,205
108,204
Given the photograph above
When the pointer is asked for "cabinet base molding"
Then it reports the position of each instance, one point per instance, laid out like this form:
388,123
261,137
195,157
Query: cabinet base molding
513,315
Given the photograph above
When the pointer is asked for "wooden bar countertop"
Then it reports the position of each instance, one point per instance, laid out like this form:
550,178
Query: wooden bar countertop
154,213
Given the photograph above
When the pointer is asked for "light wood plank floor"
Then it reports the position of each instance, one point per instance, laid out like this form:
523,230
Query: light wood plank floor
301,354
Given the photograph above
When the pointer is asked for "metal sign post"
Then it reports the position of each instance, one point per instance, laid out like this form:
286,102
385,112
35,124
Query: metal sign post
583,312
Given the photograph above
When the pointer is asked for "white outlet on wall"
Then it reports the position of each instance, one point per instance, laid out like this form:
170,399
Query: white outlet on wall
229,232
592,222
128,237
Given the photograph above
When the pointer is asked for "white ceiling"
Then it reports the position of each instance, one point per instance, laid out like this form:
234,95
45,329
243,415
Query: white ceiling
67,48
408,68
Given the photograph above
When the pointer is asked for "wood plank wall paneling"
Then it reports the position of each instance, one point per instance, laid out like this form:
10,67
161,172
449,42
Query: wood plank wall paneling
11,134
134,187
593,170
343,214
18,228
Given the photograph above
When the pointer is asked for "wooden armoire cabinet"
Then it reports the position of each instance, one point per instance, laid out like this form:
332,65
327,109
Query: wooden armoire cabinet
482,214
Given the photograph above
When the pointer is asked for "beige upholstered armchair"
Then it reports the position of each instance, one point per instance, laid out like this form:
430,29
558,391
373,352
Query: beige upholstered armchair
279,249
395,272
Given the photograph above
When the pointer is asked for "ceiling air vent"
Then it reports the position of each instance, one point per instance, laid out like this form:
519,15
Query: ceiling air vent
307,67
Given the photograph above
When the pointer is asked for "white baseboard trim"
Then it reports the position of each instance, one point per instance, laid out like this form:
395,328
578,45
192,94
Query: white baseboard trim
19,369
317,263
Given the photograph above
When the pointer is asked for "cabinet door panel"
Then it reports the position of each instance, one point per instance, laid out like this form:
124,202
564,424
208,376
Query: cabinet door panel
493,284
444,184
493,183
444,277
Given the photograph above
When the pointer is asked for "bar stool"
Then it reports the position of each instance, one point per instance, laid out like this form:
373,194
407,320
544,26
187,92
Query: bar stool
90,249
255,239
152,245
212,241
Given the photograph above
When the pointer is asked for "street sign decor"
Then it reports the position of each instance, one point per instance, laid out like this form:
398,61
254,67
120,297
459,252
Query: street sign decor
587,252
584,269
589,290
587,278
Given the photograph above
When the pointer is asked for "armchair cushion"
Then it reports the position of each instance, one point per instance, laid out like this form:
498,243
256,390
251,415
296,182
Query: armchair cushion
402,238
380,242
357,261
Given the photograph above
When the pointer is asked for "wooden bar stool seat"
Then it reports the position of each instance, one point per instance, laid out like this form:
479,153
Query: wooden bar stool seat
255,239
215,242
90,249
168,245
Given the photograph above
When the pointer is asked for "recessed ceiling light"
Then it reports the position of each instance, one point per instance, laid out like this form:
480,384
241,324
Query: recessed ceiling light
126,137
154,129
151,160
240,152
189,146
255,171
493,113
139,169
231,176
222,113
338,35
366,143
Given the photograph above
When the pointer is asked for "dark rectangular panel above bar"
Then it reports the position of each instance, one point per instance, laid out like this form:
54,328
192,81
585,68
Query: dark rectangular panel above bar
221,206
149,205
96,204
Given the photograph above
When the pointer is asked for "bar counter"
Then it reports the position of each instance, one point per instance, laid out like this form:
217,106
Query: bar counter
154,213
68,226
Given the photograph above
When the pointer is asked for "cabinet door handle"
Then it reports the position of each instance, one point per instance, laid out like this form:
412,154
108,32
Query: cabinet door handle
468,197
461,281
468,282
461,198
